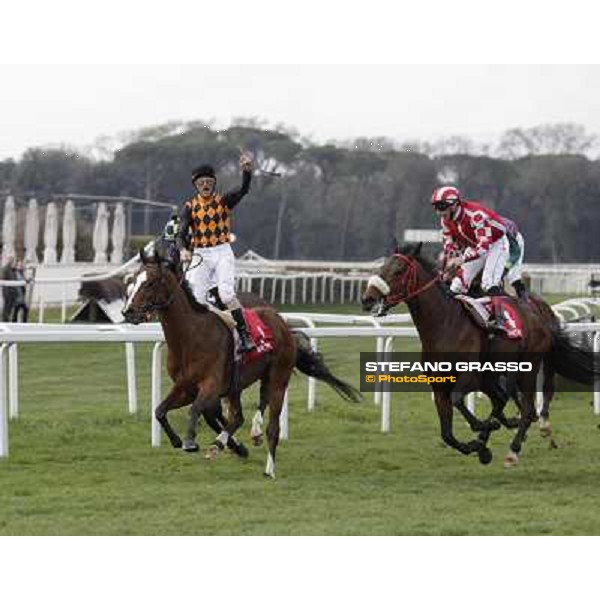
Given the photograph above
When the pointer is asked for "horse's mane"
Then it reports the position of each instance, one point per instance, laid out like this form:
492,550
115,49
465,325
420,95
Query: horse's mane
414,250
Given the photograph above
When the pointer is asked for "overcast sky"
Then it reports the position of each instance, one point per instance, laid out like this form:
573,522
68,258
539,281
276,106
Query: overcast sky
42,105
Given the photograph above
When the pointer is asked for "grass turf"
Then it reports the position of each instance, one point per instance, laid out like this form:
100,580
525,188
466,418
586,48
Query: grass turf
79,464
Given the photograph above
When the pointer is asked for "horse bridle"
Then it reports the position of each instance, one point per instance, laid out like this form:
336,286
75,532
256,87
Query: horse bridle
152,307
408,282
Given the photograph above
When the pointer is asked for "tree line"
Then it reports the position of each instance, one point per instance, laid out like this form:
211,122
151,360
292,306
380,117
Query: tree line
342,201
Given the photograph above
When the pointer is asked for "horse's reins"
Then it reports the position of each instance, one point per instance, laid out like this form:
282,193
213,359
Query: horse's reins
408,281
152,307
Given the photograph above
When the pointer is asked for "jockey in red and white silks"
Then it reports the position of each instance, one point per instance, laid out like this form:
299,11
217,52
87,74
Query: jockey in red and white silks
474,238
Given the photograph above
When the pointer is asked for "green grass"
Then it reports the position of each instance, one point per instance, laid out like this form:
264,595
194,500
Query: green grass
80,464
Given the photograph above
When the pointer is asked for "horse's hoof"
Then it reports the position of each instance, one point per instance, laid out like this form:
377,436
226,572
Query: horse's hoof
241,451
553,445
269,475
191,447
511,460
545,429
485,456
257,440
177,443
212,452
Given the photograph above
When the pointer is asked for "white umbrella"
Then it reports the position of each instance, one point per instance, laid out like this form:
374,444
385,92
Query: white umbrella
8,229
101,234
69,234
32,232
50,234
118,235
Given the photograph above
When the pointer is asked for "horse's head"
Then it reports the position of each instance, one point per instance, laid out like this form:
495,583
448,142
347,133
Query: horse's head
150,291
395,281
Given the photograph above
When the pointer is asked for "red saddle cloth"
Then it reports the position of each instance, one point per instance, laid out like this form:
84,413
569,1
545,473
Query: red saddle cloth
512,324
261,335
480,310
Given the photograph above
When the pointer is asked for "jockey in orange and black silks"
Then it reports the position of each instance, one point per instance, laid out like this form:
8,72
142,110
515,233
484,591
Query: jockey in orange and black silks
477,239
205,232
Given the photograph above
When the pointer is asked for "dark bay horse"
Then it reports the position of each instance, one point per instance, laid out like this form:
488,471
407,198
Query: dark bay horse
444,327
200,360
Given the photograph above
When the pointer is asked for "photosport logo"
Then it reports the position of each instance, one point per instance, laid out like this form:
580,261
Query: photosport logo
410,373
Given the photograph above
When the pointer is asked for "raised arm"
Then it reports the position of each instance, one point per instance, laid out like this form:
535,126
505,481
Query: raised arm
232,198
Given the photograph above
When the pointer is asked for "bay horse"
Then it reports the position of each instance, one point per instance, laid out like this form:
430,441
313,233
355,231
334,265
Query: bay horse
200,360
444,327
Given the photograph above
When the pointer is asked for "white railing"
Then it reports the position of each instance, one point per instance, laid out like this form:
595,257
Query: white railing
13,334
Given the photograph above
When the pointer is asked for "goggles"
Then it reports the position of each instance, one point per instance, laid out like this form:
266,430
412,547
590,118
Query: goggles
442,205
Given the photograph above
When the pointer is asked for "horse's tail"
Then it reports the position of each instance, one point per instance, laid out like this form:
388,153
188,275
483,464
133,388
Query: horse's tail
312,363
571,361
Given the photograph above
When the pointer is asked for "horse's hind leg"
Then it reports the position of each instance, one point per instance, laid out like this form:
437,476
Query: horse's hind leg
276,395
526,385
548,391
178,396
189,444
444,408
256,433
499,397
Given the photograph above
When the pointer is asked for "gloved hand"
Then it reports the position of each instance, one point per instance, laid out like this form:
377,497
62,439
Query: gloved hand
452,267
185,255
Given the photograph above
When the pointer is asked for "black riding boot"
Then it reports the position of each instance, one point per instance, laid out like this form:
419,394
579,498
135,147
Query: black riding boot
496,320
247,343
215,299
521,290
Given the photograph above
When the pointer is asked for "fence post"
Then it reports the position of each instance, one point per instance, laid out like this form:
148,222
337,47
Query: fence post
13,381
3,407
156,392
312,382
378,384
596,350
387,394
131,378
63,306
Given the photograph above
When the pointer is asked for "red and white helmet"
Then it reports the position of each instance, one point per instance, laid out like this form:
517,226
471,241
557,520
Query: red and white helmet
447,194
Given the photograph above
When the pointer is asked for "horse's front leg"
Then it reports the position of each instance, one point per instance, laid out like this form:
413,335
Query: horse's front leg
528,415
235,419
180,395
216,421
190,444
484,428
443,403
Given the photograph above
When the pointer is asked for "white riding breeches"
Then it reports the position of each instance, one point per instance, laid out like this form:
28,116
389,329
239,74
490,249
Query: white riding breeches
492,264
515,269
216,267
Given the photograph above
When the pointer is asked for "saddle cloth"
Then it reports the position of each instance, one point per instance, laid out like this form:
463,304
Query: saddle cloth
261,335
482,309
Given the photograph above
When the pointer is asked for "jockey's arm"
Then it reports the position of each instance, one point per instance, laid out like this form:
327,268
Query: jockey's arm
233,197
483,233
450,248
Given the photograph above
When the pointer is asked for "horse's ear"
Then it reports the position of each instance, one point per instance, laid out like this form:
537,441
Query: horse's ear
143,256
417,249
394,246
